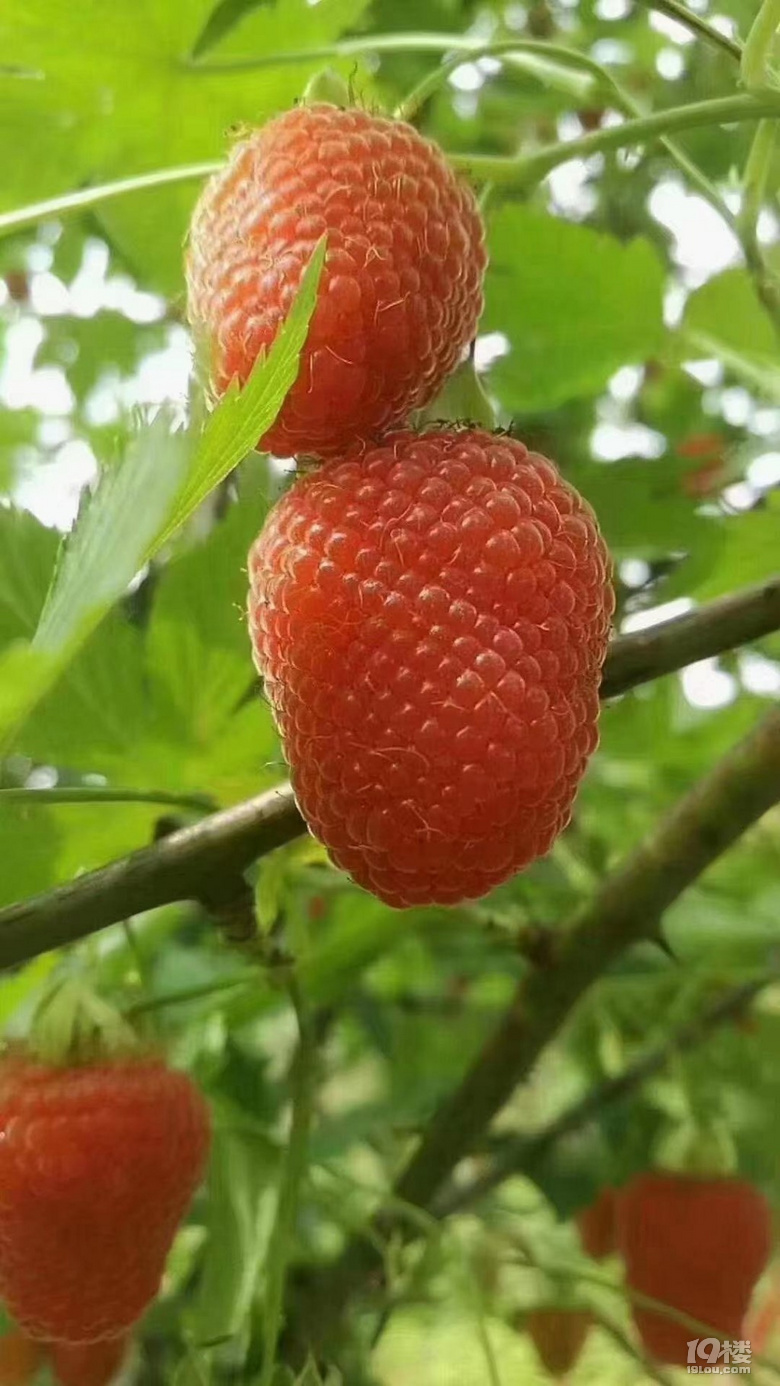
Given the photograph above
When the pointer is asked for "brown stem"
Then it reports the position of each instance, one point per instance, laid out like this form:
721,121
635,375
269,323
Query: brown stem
626,909
524,1154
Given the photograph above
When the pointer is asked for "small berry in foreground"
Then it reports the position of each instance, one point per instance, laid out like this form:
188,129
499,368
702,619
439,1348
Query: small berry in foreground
401,292
87,1364
559,1337
696,1244
596,1225
98,1164
430,617
20,1358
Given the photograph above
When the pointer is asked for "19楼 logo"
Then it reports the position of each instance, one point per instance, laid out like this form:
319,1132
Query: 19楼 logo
716,1358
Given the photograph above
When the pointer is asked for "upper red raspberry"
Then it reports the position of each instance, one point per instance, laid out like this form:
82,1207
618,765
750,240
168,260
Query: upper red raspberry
97,1167
430,618
401,292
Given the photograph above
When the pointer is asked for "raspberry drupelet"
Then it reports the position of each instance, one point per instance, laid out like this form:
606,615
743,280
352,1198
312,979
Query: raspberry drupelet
430,617
401,292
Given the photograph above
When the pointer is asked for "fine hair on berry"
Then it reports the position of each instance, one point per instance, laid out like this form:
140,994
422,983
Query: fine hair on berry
98,1164
401,292
430,617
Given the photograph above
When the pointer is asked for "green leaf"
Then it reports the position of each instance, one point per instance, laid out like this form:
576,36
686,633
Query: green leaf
244,415
225,15
748,550
116,533
197,643
88,348
162,479
27,552
724,319
240,1210
575,303
18,429
121,97
31,840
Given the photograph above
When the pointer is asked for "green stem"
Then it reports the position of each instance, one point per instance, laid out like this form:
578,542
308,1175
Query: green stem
525,170
757,53
291,1179
754,184
421,42
509,49
754,192
474,1292
73,202
697,25
426,42
603,83
100,794
194,993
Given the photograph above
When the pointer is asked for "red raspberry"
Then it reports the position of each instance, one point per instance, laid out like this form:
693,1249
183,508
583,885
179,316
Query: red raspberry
87,1364
697,1244
430,617
559,1337
596,1225
97,1167
401,291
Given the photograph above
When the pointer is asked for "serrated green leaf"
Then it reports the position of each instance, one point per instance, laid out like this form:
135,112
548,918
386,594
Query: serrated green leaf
117,532
244,415
576,305
162,479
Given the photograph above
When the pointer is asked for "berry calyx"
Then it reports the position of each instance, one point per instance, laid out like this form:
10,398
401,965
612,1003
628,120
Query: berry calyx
401,290
430,617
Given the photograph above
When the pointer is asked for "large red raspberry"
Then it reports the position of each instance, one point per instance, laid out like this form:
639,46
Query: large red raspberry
97,1167
401,291
430,618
